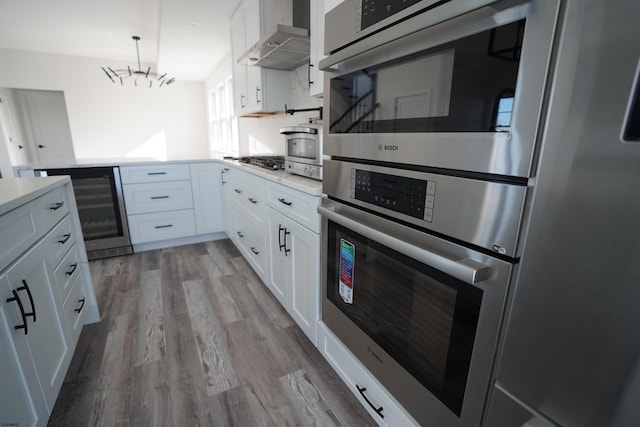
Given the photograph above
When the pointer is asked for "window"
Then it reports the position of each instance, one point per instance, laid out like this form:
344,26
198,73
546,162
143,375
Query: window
223,126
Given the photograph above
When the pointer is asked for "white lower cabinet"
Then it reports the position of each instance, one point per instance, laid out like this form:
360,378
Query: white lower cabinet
226,181
46,297
252,242
35,308
207,200
380,404
172,201
19,406
294,276
276,228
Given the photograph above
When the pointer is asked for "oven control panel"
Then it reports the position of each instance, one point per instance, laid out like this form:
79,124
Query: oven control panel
409,196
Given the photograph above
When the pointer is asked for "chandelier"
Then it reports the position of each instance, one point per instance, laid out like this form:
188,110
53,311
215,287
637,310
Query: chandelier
148,75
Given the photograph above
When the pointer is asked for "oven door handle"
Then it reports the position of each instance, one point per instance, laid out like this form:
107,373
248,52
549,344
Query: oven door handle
465,269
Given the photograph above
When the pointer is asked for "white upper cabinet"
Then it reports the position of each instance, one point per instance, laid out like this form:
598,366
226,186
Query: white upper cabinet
316,84
256,90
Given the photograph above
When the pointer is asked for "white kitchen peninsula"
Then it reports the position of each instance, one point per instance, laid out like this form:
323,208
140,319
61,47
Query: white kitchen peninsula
46,294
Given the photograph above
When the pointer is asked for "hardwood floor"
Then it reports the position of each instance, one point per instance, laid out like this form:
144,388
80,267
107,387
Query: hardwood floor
190,336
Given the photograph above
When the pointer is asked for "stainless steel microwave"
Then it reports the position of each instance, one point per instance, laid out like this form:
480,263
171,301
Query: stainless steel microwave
458,86
303,150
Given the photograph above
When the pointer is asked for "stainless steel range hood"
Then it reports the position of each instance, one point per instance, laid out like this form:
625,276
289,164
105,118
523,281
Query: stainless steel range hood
284,47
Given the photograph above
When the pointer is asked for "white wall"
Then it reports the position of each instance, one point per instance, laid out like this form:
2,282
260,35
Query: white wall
108,120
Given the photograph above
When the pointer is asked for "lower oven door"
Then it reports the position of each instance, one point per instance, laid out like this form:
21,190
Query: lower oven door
421,313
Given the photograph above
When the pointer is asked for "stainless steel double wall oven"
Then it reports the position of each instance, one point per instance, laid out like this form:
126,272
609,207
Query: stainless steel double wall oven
432,116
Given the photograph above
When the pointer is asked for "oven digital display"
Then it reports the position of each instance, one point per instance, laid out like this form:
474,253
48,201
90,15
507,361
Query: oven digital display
409,196
374,11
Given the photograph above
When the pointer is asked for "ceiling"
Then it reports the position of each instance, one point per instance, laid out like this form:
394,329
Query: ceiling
185,38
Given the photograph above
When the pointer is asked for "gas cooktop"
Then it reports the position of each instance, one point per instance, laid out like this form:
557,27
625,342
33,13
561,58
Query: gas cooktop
267,162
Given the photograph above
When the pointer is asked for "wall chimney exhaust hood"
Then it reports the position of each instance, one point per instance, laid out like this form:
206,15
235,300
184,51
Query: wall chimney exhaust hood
283,47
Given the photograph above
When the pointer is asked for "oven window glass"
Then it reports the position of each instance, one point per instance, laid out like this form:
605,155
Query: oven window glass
302,147
454,87
423,318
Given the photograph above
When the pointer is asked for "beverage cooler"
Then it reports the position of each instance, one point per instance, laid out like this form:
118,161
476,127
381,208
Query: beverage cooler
100,203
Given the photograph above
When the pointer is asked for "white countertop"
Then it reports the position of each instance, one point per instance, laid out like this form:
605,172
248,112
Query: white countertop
15,192
297,182
306,185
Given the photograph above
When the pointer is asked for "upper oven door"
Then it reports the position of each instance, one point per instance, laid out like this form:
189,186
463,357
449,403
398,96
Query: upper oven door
464,94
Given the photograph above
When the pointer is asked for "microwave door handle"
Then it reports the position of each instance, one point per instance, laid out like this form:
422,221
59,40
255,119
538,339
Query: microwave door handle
466,269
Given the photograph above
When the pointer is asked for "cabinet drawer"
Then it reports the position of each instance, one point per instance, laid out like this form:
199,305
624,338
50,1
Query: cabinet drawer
252,242
356,376
52,207
66,272
157,197
161,226
59,240
19,230
249,195
157,173
74,309
298,206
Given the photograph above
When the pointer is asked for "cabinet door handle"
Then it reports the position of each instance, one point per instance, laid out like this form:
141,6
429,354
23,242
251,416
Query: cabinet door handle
42,146
56,206
222,172
73,266
378,410
253,249
156,173
25,287
284,201
242,104
239,234
159,197
258,100
309,73
280,230
237,190
78,310
286,250
164,226
65,239
16,298
252,200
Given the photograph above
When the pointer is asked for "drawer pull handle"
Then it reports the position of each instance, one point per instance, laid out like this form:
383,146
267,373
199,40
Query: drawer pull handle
73,266
252,200
253,249
66,238
237,190
378,410
159,197
78,310
156,173
164,226
284,201
239,234
56,206
16,298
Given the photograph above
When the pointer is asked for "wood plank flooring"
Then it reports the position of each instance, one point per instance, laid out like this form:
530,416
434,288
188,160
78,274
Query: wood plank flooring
190,336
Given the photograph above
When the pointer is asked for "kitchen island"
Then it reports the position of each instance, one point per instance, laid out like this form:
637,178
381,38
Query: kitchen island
46,294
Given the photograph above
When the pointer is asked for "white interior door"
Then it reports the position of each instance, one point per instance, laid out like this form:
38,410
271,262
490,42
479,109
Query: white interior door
11,149
46,125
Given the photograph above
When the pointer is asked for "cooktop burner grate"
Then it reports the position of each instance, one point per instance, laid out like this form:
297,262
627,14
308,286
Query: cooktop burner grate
267,162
